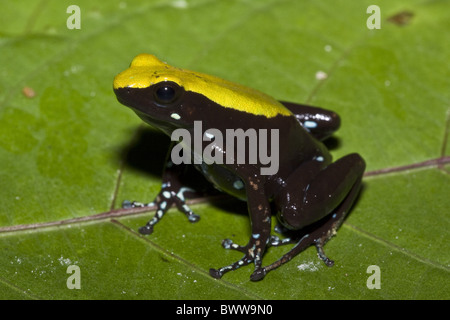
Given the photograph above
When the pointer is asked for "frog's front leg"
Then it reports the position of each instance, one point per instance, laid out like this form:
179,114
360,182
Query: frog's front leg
172,193
259,210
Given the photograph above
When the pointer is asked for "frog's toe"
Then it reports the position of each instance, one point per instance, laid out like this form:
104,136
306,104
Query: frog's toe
147,229
193,217
258,274
184,208
229,244
126,204
321,254
215,273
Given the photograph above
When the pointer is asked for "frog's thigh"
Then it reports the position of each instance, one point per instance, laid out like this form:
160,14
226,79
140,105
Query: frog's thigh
323,193
321,123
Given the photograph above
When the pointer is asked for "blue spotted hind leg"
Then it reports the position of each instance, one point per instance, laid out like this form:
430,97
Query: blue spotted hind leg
319,233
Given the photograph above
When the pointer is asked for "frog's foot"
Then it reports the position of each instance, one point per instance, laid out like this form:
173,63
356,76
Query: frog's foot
258,274
275,241
164,200
318,237
301,245
253,253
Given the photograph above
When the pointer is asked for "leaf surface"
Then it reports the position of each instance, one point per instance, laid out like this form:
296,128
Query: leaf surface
70,153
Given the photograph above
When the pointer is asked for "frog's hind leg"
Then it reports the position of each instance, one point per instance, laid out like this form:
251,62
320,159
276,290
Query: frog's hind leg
321,231
317,238
319,122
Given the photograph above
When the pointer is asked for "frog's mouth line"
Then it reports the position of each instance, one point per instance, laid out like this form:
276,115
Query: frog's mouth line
162,124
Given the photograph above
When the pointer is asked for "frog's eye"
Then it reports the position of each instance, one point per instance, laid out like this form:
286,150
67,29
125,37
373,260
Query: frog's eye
166,92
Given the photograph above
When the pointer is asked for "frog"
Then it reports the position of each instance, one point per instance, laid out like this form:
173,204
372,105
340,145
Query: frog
309,194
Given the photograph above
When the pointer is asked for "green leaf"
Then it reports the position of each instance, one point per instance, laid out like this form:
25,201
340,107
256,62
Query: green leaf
70,153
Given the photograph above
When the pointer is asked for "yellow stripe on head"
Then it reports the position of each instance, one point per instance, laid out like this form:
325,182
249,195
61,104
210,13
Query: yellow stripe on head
146,70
